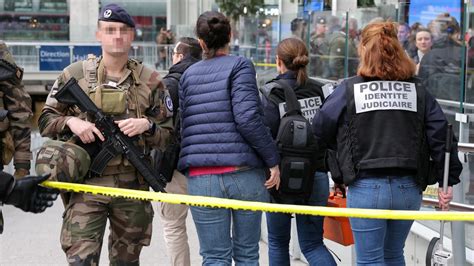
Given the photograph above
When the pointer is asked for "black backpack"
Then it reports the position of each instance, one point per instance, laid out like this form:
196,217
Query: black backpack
297,148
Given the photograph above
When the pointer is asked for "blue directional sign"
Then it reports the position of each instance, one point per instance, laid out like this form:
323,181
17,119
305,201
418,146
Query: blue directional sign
81,52
54,58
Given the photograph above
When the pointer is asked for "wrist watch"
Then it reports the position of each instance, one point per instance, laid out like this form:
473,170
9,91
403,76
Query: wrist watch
151,127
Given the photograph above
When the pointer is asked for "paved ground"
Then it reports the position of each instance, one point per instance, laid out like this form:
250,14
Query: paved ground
31,239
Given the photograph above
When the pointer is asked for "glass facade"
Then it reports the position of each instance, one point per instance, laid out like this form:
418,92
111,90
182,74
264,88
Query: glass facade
437,34
34,20
333,37
48,20
149,16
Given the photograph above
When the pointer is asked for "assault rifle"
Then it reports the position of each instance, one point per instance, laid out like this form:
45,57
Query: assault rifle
116,142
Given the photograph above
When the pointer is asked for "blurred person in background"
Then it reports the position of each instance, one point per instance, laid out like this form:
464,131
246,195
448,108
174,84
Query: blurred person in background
163,40
440,69
319,48
423,41
404,35
336,41
299,28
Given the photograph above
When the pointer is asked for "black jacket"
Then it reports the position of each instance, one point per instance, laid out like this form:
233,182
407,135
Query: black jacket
271,108
333,117
171,80
440,70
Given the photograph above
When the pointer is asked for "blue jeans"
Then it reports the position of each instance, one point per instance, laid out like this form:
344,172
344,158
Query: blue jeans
310,230
217,245
381,241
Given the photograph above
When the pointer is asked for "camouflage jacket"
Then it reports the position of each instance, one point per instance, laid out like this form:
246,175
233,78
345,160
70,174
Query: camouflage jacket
144,85
14,98
337,53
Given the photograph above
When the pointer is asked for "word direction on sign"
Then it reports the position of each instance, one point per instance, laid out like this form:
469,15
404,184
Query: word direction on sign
54,58
385,95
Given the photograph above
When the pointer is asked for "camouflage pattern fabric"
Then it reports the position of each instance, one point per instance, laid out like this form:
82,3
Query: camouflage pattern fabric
86,215
85,220
15,99
337,53
148,89
319,55
65,161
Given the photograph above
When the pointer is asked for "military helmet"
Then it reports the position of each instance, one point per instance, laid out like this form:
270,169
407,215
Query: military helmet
67,162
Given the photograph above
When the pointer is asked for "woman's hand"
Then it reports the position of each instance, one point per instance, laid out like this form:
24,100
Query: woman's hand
274,179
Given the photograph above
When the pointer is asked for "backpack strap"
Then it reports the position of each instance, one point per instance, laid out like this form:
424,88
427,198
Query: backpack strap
175,75
293,106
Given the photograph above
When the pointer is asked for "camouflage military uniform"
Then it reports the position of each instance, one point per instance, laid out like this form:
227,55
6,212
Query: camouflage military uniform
319,52
337,52
85,216
14,98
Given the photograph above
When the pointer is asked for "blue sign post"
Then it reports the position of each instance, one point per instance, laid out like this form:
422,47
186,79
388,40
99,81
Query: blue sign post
81,52
54,58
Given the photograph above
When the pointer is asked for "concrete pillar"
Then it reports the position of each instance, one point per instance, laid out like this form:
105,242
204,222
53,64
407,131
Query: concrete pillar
83,17
343,6
288,11
181,15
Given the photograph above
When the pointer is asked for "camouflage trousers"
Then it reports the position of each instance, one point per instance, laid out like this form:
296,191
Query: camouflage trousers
85,218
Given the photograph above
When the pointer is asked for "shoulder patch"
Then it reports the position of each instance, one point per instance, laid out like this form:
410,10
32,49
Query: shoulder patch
169,103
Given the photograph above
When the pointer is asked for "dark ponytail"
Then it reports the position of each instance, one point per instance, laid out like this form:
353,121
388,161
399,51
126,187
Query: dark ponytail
214,29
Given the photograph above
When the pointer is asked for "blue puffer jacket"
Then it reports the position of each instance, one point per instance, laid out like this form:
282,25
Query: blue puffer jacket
222,117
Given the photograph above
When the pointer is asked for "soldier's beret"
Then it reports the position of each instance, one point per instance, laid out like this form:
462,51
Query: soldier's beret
321,20
115,13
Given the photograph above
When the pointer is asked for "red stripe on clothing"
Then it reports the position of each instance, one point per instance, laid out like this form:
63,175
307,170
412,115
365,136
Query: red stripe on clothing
211,170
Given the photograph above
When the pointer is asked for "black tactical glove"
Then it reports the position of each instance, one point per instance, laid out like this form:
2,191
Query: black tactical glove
27,195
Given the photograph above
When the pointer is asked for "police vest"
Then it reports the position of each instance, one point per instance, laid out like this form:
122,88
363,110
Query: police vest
311,97
384,128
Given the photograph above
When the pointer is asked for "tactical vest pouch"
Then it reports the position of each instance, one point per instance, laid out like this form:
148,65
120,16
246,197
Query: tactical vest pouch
111,100
8,148
296,176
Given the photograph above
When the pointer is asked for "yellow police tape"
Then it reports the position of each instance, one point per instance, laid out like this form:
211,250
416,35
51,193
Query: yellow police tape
260,206
265,64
